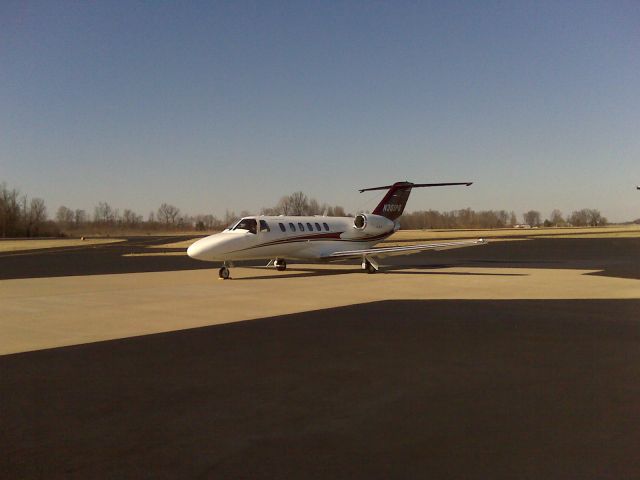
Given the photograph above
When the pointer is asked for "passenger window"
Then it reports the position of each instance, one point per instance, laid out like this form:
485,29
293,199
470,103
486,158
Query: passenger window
309,227
264,226
318,227
293,227
301,227
326,227
282,227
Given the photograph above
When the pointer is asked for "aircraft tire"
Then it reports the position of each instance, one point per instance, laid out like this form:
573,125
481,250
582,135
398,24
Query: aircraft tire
224,273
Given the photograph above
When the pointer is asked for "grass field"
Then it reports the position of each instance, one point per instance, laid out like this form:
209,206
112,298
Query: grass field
400,237
628,231
502,234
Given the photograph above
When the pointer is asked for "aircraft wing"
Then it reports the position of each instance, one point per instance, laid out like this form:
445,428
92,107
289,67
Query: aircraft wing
406,249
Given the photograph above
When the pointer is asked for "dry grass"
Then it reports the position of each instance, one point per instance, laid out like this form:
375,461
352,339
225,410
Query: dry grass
498,234
31,244
400,237
632,231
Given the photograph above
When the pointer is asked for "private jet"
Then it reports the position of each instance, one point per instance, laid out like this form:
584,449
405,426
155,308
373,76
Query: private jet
319,238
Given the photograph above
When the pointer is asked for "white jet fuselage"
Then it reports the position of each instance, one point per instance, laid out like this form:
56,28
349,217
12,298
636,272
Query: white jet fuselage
292,237
318,238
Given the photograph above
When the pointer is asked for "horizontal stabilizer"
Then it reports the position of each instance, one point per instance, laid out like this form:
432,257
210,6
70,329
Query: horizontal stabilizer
415,185
393,203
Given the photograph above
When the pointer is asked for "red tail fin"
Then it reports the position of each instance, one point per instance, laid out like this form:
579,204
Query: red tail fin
393,203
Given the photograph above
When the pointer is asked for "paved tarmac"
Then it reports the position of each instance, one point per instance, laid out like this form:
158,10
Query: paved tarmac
97,259
507,387
618,257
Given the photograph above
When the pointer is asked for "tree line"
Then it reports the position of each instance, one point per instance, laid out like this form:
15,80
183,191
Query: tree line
468,218
299,204
170,217
167,217
21,216
24,217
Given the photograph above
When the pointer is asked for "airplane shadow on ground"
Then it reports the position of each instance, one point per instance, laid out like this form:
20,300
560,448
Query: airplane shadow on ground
303,272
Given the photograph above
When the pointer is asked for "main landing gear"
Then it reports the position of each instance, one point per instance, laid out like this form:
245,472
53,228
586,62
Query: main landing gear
369,265
280,264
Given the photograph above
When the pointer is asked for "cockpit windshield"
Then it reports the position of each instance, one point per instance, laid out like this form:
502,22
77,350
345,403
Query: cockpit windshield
249,224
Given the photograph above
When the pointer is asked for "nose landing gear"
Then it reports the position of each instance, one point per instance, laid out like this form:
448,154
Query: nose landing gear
224,273
280,264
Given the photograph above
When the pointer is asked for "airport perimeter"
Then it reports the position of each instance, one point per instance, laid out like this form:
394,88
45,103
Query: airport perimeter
47,313
518,359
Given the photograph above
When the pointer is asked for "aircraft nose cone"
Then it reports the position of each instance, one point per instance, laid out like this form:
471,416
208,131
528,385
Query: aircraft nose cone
208,249
196,250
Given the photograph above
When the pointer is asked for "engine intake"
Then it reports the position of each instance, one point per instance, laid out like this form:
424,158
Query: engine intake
367,224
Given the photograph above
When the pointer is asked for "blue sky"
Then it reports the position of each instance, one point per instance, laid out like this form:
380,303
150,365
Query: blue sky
216,105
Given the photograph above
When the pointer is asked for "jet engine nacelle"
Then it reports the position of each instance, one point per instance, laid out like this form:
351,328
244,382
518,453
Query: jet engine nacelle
369,224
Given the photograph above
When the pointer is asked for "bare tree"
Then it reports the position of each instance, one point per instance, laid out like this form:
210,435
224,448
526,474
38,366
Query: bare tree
64,216
9,210
338,211
184,222
168,214
130,218
299,203
503,218
284,206
579,218
587,217
595,218
206,222
269,211
556,218
80,217
211,222
103,213
532,217
200,226
230,218
36,215
314,207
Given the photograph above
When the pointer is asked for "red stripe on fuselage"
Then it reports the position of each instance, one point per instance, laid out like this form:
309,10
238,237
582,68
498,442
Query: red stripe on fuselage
317,237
